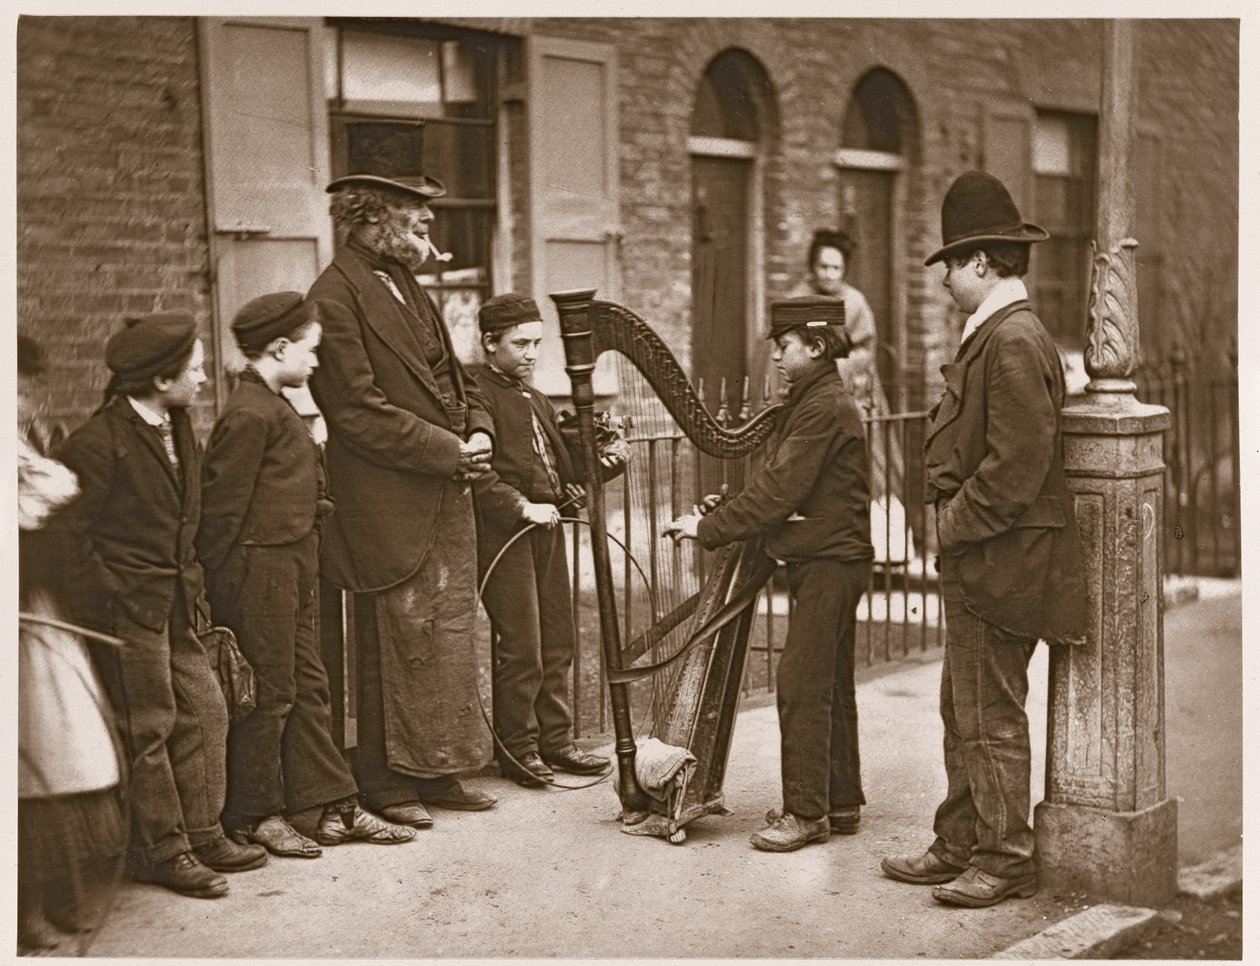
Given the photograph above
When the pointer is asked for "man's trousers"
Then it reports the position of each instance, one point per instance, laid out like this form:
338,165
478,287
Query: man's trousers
983,820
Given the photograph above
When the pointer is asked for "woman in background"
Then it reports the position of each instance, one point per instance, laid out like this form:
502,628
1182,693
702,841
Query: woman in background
830,253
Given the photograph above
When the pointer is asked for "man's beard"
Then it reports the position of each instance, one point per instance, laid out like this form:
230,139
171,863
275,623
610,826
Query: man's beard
394,240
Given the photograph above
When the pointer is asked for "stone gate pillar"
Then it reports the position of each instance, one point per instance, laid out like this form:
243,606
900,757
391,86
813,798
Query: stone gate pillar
1106,825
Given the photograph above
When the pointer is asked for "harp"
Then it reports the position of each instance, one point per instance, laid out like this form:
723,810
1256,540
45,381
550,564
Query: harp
700,604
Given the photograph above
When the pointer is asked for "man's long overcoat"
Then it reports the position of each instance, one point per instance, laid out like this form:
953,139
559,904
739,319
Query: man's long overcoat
393,442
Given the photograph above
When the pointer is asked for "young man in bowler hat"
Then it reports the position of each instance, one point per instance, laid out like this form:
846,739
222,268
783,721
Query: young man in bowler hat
407,432
811,500
139,469
1010,553
527,595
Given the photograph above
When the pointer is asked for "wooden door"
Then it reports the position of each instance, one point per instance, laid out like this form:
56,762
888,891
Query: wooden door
719,275
866,204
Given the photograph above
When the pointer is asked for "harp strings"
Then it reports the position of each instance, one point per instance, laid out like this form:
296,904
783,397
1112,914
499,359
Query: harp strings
666,478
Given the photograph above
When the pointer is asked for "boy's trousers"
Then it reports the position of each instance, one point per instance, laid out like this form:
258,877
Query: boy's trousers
174,724
281,756
815,688
530,605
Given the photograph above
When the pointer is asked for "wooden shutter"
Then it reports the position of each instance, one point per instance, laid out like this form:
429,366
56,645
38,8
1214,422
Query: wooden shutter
267,159
574,186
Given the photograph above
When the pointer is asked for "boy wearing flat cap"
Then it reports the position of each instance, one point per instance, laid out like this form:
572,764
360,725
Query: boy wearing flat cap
262,499
139,467
1011,565
811,499
527,594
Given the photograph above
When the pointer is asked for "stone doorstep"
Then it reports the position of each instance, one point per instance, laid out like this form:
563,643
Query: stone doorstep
1104,930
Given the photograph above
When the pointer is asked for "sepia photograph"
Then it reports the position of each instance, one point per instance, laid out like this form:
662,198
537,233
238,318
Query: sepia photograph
628,484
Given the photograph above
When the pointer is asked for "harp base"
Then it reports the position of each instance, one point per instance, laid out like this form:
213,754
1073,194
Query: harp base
663,827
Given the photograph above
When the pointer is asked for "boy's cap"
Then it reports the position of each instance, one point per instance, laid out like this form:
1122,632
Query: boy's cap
808,310
268,317
150,344
504,311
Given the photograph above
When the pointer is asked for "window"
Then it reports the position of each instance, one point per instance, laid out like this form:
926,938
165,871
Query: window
407,99
1064,162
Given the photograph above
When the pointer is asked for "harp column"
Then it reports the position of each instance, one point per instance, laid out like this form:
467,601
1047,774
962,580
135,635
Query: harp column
573,308
1107,825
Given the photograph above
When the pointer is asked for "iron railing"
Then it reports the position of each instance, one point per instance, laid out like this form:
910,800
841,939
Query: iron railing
900,613
1202,528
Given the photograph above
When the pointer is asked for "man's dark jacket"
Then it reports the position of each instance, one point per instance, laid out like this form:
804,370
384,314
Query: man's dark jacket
393,441
995,471
133,526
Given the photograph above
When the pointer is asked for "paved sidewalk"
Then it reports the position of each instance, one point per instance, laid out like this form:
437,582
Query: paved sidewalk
548,874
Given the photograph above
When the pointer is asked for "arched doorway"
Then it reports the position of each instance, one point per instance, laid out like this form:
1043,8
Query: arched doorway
730,120
878,137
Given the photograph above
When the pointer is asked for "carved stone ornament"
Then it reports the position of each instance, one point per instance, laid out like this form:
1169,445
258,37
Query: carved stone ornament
1112,340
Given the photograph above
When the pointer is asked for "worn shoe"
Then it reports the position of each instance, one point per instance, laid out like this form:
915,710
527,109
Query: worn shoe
575,761
925,869
185,875
35,935
365,827
528,770
976,889
224,855
278,837
790,832
413,814
843,820
449,792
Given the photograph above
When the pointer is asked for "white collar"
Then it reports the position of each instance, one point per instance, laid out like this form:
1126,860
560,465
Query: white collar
1006,292
147,414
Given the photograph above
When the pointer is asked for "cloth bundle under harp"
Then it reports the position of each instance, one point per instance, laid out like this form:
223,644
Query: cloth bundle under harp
660,603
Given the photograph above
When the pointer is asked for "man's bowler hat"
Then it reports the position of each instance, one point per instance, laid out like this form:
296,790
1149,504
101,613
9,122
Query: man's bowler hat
978,208
424,189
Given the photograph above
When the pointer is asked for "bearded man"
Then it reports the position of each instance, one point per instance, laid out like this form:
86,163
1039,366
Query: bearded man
407,430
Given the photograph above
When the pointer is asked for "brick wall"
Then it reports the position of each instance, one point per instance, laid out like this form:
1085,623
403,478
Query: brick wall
110,195
1189,104
956,74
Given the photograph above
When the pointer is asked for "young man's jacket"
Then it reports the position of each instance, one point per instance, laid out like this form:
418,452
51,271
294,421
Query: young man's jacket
262,478
811,497
518,475
393,440
134,523
994,457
